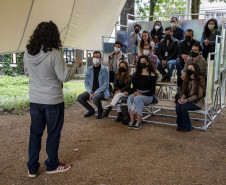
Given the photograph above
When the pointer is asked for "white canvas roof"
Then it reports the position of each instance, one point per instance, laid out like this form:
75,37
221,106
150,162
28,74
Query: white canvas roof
82,23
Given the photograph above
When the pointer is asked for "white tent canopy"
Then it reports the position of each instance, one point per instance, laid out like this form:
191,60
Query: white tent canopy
82,23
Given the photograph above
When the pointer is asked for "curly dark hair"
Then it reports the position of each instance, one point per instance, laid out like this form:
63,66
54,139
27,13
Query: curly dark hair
206,30
197,74
46,36
142,40
139,69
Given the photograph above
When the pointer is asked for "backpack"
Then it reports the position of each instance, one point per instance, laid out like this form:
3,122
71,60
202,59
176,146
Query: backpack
125,118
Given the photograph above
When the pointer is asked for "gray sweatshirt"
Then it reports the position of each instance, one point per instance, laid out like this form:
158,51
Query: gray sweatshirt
46,72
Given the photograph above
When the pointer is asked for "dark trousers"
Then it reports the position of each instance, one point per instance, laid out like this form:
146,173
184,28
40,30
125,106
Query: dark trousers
84,97
183,118
180,67
53,116
206,50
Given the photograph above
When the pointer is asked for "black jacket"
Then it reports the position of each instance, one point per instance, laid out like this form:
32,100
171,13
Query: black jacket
184,48
172,50
178,33
122,86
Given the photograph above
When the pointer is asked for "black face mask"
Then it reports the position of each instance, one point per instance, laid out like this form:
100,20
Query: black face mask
143,65
168,36
194,54
190,72
187,38
122,69
137,30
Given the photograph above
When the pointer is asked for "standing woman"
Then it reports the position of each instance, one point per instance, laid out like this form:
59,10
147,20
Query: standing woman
121,89
46,69
146,39
208,39
144,83
193,93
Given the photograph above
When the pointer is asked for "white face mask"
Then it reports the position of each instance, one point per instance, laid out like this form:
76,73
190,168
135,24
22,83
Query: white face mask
117,49
210,26
157,27
173,24
146,52
96,61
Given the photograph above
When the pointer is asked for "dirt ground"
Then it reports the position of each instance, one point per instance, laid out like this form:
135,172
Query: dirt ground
109,153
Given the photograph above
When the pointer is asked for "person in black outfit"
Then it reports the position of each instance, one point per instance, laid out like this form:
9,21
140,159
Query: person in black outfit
121,89
178,32
167,54
184,52
157,33
144,83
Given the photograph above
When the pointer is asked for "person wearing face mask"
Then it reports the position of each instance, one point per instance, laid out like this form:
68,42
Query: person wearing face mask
143,91
147,51
121,89
135,38
193,93
184,52
167,54
178,32
146,39
97,86
209,37
114,59
157,33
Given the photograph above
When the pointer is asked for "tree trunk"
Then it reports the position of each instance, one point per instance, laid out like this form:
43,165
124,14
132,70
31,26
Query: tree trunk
195,7
152,8
127,9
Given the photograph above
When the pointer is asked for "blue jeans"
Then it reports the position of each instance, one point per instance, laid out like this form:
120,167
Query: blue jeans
183,118
170,67
134,49
179,67
137,103
53,117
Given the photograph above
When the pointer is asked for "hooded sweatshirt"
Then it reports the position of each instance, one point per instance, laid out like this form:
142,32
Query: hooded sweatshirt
46,72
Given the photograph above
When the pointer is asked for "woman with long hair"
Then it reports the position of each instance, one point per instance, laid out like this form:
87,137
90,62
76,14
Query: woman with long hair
46,69
157,33
208,39
121,89
193,93
146,39
144,83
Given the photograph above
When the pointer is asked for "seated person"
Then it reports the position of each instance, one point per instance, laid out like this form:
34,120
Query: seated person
157,33
178,32
148,52
135,38
167,54
184,52
114,59
146,39
193,93
121,89
144,83
209,37
96,84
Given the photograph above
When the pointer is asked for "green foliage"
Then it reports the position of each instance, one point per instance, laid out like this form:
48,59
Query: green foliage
161,7
14,93
20,64
7,69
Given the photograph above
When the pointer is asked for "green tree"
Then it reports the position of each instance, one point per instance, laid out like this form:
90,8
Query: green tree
7,69
20,64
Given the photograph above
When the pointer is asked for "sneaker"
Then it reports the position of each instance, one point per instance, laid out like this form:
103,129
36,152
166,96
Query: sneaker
137,125
60,168
107,111
100,115
89,113
118,119
31,175
130,125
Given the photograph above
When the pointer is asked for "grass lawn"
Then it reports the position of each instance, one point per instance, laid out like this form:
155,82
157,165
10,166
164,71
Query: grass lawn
14,95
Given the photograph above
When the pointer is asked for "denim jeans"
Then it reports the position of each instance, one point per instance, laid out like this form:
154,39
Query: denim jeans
137,103
170,67
179,67
53,117
183,118
84,97
134,49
